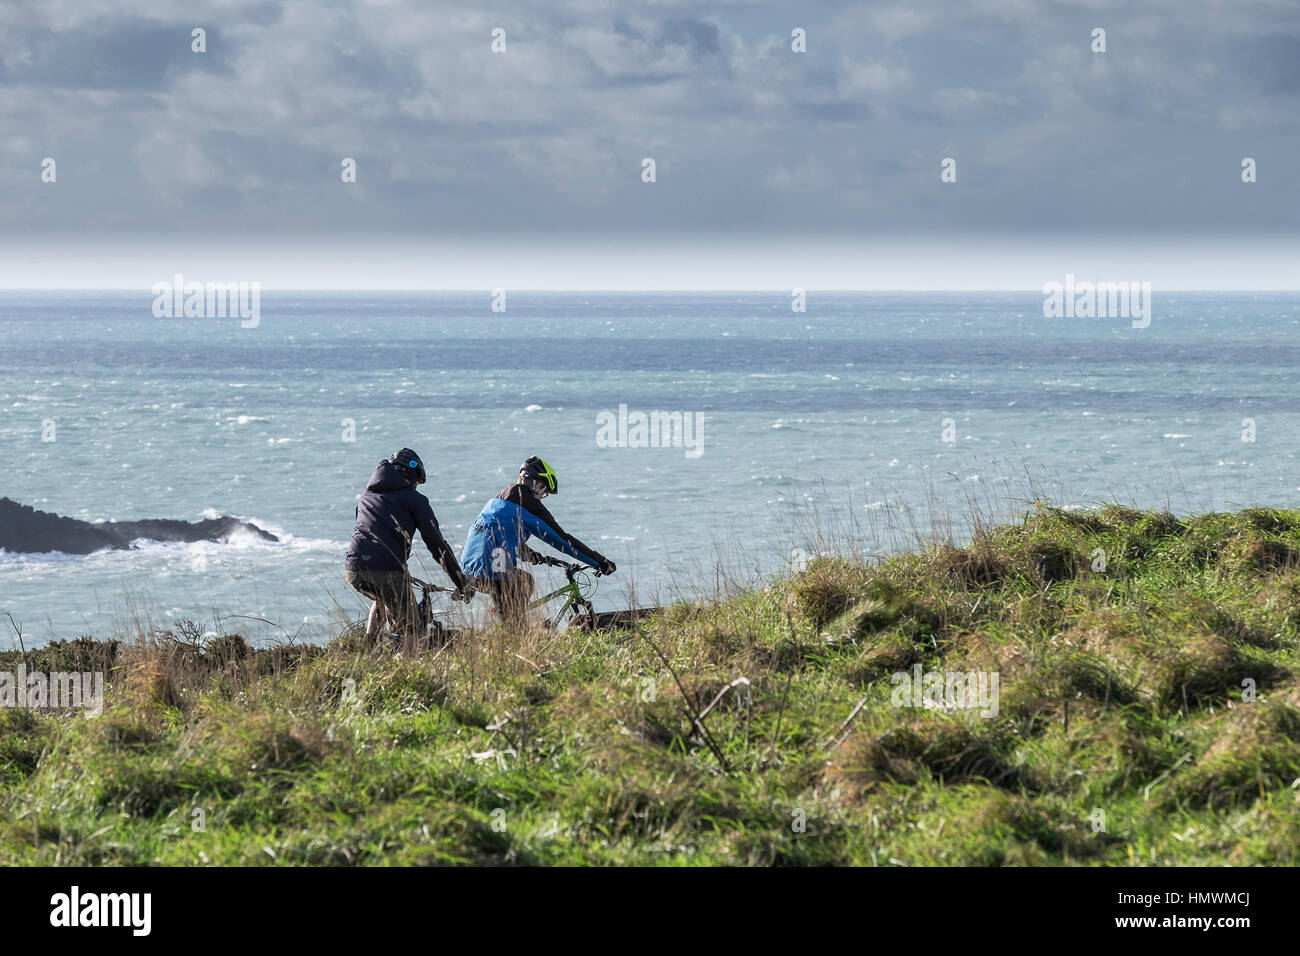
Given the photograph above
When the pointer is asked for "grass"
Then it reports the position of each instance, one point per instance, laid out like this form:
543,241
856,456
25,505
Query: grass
1149,713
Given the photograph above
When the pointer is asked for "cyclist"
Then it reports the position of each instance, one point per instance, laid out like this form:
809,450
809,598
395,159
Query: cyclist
497,540
389,512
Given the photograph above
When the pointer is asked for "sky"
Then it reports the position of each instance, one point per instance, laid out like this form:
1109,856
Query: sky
773,168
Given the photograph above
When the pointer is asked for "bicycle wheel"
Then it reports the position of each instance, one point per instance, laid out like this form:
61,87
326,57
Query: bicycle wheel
618,620
438,634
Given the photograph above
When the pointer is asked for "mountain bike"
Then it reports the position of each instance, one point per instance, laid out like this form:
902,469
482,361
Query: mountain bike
430,631
577,606
577,594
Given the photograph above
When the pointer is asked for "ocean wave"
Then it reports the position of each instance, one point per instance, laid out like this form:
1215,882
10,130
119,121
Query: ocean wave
150,553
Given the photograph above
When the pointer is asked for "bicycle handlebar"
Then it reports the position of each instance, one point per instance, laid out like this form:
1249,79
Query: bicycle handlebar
569,571
425,585
551,562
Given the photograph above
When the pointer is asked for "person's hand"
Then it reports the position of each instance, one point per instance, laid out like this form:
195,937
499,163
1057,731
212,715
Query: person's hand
607,567
463,593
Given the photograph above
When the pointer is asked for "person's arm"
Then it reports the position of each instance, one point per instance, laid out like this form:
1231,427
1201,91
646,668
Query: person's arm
437,544
539,522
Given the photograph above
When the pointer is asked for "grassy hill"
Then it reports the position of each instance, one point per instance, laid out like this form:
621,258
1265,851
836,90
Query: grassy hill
1148,712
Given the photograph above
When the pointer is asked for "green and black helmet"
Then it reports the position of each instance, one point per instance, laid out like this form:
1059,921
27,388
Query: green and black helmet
536,469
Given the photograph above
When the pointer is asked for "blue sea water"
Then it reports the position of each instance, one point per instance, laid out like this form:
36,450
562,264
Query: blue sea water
834,419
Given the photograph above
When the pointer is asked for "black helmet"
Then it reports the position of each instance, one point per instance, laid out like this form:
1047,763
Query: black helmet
535,468
409,464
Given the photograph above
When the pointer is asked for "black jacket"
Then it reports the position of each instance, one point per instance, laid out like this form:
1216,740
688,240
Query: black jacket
389,513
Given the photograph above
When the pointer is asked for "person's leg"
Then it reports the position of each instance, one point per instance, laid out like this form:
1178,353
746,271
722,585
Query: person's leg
511,595
364,583
395,594
392,609
375,622
409,628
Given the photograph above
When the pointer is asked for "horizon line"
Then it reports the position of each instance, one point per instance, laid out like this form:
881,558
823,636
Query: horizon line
478,290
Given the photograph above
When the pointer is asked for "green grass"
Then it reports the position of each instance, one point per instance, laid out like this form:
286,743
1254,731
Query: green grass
1126,731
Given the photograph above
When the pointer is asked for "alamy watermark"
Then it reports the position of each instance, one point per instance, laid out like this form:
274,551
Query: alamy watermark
75,908
213,300
655,429
1102,300
947,690
75,690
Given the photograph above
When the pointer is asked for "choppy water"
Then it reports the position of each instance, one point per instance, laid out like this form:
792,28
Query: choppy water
835,415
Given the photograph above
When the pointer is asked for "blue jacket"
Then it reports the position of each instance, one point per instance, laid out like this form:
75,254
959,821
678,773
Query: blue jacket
389,513
497,539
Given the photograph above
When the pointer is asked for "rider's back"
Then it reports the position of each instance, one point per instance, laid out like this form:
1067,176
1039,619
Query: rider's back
388,513
506,521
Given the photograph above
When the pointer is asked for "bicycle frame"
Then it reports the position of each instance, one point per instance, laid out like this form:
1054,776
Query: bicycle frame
574,599
584,613
428,624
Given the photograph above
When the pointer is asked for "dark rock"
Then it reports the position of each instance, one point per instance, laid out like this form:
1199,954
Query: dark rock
24,530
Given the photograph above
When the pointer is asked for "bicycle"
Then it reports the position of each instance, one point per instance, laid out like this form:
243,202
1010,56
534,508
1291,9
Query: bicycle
578,590
428,626
430,632
577,593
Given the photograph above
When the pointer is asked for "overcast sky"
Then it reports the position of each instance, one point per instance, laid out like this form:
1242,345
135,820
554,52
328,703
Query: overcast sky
524,168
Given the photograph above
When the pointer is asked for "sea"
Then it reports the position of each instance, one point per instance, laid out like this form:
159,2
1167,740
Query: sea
705,442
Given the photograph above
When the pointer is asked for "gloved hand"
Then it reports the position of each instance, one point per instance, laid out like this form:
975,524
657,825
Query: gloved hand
464,593
607,567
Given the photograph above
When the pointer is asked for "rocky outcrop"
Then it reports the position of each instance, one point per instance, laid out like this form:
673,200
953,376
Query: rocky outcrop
24,530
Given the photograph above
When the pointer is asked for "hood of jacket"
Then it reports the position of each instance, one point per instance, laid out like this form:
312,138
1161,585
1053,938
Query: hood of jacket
387,478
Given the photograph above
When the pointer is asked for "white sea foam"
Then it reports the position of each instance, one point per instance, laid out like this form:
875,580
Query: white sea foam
146,553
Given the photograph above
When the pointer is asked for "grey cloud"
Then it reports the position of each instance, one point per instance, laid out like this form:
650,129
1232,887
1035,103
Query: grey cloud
1273,62
132,56
834,111
700,37
650,53
750,138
